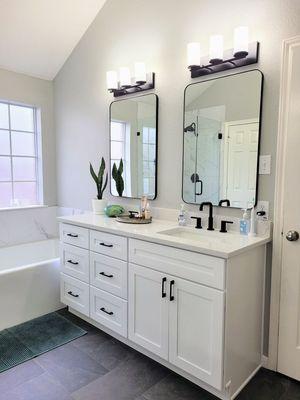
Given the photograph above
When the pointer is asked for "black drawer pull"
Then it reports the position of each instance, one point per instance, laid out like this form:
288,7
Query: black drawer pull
106,312
163,292
104,274
106,245
72,294
73,262
171,291
72,235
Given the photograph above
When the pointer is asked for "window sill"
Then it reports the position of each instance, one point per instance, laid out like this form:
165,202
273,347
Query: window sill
22,208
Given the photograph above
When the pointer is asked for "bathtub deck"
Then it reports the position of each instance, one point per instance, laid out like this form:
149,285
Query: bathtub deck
97,367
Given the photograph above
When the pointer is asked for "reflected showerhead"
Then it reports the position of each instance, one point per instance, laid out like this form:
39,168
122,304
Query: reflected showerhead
190,128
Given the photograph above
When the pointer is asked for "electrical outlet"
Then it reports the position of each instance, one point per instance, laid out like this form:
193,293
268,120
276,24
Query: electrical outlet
263,206
264,165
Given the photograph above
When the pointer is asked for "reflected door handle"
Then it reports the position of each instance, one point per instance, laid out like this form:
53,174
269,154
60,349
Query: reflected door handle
201,188
292,236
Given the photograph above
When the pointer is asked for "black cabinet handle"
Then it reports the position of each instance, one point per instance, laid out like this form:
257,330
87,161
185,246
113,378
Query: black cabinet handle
72,235
72,294
163,292
106,245
106,312
171,291
104,274
72,262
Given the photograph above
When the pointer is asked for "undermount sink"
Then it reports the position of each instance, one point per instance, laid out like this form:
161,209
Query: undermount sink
203,235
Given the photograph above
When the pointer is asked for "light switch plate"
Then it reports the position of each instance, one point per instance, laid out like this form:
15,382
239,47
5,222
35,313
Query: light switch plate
263,206
264,165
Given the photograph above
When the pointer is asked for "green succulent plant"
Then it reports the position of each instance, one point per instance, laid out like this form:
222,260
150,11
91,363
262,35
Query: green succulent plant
100,183
117,176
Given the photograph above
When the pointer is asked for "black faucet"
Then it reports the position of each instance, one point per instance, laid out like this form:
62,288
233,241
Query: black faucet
225,201
210,217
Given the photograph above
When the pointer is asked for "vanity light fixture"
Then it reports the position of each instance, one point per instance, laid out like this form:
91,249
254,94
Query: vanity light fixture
125,84
243,53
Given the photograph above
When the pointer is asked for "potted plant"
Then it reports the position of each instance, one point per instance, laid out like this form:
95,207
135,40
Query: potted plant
99,203
117,176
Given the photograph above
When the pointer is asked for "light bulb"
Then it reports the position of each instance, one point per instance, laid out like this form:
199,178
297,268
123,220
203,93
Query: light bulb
241,42
112,80
193,54
216,49
140,72
125,77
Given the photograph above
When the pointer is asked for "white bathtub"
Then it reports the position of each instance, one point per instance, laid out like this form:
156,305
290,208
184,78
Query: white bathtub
29,281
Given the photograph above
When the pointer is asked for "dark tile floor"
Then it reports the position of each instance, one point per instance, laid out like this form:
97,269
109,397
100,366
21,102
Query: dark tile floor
97,367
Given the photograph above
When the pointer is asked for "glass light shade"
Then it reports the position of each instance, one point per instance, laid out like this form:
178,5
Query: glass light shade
112,80
193,54
125,77
140,72
216,48
241,41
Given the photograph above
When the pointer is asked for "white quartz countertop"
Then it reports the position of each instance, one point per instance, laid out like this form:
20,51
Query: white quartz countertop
214,243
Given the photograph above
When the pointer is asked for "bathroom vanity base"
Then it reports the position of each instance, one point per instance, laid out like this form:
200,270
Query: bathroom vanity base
195,313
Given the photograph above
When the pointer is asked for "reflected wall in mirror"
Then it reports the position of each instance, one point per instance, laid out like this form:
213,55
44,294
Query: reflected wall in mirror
133,138
221,140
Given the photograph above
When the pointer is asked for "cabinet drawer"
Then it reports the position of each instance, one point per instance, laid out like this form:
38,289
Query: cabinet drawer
192,266
74,261
109,310
109,245
108,274
74,235
74,293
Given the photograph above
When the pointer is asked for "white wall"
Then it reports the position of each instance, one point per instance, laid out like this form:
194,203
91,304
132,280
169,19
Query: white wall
157,32
37,92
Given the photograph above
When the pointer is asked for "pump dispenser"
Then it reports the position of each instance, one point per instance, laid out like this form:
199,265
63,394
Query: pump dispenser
244,222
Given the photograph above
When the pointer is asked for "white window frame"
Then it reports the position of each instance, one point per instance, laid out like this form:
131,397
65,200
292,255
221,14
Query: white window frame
37,156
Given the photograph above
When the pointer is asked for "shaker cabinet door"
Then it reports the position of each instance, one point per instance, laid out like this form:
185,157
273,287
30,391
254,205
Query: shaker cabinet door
196,315
148,309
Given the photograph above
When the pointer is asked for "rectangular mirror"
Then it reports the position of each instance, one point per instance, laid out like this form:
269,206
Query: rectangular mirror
133,139
221,140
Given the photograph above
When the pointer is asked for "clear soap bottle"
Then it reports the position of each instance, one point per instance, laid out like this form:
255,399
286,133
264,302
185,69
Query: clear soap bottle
182,217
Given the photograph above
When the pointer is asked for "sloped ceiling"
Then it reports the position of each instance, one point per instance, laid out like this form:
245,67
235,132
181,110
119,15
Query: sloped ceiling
37,36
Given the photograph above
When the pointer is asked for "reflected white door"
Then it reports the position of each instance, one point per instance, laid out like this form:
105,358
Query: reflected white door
241,159
289,320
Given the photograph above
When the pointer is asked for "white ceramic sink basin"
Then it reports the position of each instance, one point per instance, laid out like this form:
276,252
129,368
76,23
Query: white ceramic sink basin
204,236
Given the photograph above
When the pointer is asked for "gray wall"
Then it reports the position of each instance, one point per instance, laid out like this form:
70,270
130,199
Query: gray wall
37,92
157,32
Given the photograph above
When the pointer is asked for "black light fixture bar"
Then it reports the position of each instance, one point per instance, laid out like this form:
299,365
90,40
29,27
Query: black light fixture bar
230,61
136,87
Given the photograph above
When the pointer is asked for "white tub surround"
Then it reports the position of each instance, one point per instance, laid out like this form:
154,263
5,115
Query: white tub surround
29,282
190,299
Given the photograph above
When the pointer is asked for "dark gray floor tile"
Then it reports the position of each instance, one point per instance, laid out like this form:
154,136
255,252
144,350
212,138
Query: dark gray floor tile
266,385
126,382
19,374
71,367
293,391
175,387
77,321
43,387
108,353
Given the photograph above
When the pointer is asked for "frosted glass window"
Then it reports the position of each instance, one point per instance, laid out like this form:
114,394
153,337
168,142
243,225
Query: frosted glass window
117,151
117,131
21,118
24,169
152,135
19,158
5,194
23,144
5,169
25,193
4,121
4,143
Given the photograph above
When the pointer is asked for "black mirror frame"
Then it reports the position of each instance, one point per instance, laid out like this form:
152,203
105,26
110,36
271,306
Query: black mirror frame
156,149
259,130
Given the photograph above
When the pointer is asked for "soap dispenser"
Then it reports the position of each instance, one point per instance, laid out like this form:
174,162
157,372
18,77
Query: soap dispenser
244,222
182,217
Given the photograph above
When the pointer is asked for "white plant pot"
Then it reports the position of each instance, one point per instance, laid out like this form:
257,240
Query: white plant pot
99,206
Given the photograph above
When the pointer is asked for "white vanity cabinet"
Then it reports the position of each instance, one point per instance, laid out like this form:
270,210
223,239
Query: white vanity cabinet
198,314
